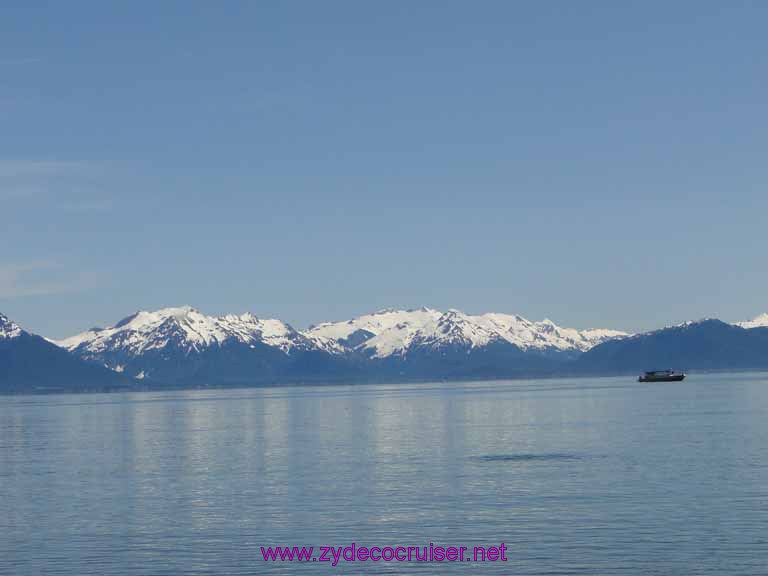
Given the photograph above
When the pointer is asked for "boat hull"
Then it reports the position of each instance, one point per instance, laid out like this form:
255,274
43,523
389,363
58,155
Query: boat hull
672,378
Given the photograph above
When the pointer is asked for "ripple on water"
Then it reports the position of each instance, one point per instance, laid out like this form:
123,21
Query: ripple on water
528,457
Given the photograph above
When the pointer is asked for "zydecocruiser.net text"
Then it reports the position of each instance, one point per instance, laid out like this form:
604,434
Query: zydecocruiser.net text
355,553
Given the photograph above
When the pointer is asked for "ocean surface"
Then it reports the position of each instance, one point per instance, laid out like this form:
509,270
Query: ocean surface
583,476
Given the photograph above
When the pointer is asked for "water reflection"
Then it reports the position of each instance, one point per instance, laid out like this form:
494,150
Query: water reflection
575,476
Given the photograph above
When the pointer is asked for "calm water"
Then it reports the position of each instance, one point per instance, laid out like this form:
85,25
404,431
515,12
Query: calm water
591,477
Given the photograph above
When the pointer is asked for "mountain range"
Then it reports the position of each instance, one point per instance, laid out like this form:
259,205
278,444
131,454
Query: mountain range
184,347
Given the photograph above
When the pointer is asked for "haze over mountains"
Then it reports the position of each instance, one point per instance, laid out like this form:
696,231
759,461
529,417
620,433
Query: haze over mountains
184,347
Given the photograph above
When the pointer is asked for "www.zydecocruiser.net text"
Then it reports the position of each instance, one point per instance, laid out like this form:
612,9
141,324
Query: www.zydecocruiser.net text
355,553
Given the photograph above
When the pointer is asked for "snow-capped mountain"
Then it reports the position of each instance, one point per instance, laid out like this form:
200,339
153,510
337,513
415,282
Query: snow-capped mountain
379,334
8,328
186,330
760,321
179,343
396,332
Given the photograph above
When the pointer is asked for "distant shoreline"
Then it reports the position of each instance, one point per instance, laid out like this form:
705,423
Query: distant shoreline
354,383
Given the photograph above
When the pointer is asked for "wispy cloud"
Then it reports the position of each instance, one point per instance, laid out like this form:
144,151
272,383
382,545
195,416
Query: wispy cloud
20,192
19,60
15,168
42,278
70,186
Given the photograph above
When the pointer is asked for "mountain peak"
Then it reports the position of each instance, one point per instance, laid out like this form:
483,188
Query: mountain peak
30,363
177,311
693,323
172,312
183,327
380,334
8,328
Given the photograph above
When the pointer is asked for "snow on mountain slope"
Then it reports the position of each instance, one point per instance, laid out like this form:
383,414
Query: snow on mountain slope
375,323
393,332
383,332
185,329
454,328
528,335
757,322
8,328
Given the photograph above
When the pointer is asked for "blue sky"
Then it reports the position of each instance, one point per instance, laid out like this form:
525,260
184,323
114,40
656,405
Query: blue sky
597,163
